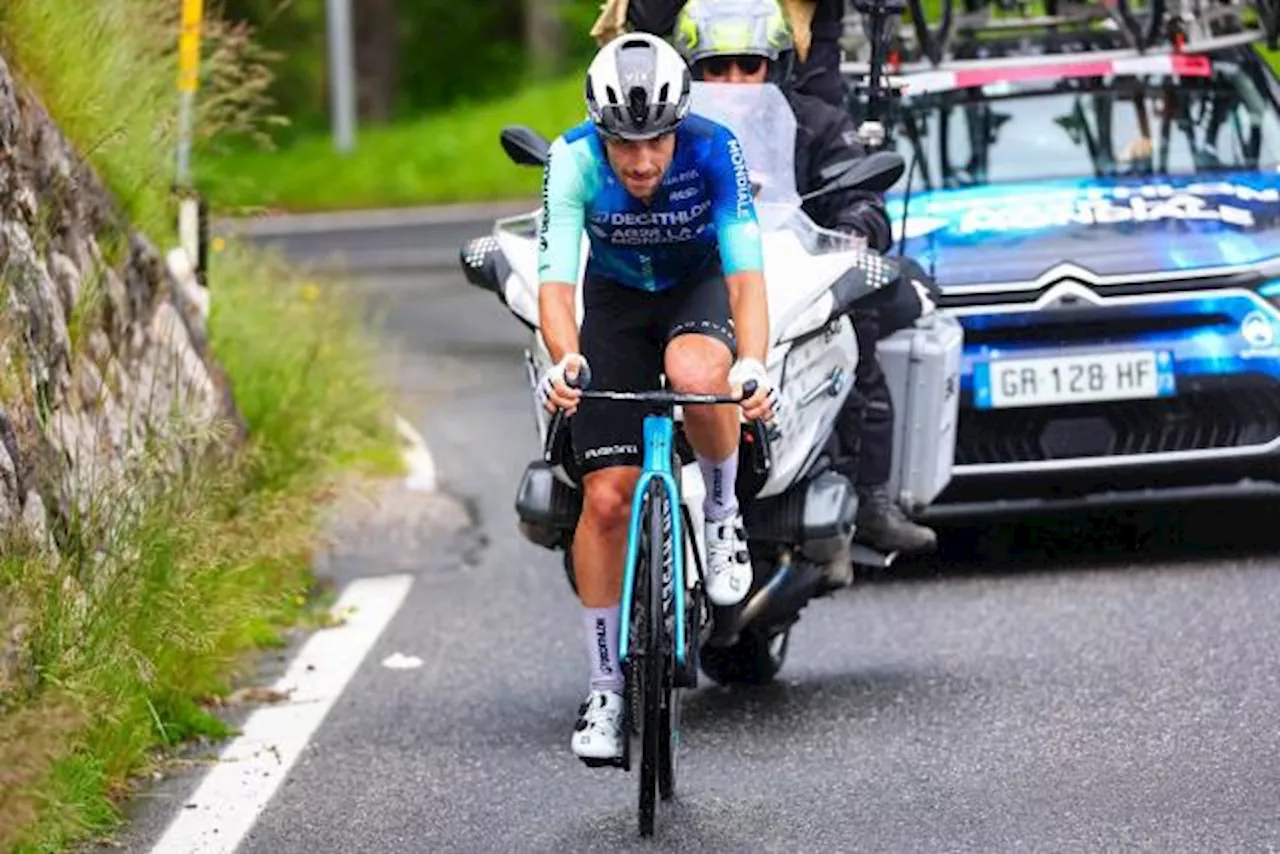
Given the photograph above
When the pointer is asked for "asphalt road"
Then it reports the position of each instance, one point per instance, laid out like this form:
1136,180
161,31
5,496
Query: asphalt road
376,241
1096,683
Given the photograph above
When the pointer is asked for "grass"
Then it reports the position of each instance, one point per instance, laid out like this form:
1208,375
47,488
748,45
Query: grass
115,94
173,570
117,101
450,157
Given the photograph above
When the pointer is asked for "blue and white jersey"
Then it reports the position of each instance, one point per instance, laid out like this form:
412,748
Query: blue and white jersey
703,205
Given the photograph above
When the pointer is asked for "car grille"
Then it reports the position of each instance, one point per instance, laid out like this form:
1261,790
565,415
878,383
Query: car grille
1189,422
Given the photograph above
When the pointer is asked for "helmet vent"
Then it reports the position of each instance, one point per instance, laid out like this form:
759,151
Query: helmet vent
639,105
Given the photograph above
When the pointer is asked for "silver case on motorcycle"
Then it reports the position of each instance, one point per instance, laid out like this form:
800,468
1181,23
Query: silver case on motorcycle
922,367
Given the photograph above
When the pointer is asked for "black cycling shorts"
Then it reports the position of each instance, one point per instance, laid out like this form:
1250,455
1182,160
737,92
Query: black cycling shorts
624,336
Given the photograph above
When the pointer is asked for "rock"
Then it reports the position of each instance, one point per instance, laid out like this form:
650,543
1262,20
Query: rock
35,523
67,278
8,487
85,397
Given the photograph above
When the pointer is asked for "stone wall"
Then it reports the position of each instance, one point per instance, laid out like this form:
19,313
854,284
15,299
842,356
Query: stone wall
102,351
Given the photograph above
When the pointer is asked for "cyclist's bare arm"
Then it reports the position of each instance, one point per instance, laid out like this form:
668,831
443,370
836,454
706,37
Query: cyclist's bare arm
556,317
560,242
750,307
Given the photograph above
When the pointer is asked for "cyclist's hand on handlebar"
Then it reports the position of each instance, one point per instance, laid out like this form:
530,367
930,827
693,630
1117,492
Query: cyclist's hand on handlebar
764,404
554,390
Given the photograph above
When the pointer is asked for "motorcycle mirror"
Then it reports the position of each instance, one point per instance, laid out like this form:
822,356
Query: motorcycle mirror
875,173
835,171
524,145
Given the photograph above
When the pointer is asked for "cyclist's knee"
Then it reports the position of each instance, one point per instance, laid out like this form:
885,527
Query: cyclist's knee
607,494
698,364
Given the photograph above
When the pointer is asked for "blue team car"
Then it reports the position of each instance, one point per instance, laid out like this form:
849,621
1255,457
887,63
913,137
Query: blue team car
1098,198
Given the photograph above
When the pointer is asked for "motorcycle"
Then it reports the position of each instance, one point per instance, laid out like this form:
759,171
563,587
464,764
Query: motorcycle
798,511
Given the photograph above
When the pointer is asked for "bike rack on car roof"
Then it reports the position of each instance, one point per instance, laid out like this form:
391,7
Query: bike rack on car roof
964,38
973,48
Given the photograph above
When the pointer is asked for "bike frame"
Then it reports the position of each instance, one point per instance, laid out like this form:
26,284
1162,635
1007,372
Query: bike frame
659,436
658,750
659,441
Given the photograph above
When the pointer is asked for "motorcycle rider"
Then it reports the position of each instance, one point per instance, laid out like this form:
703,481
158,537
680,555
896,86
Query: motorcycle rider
674,283
816,26
741,41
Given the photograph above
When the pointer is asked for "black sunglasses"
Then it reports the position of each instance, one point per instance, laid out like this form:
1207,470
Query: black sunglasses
719,65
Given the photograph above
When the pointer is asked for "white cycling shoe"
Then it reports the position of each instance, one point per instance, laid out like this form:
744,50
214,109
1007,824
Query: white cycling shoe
728,562
597,737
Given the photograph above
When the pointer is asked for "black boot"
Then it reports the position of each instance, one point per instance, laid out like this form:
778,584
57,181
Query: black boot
882,525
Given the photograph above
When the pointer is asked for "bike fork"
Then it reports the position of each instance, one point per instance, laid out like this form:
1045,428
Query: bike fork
686,676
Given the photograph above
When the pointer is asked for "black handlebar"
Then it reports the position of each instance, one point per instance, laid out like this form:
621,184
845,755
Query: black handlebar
660,398
759,431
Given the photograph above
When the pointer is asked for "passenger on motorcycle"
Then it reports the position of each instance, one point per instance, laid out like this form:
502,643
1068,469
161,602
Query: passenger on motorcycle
743,41
816,27
673,284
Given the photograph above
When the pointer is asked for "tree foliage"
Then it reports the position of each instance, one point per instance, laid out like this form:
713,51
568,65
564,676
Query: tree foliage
412,56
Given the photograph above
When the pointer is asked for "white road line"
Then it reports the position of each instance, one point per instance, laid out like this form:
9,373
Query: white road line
417,458
236,790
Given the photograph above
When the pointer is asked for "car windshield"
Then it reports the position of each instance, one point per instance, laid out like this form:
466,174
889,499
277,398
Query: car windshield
1038,130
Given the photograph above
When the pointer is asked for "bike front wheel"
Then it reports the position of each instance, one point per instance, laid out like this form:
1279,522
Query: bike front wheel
647,657
670,695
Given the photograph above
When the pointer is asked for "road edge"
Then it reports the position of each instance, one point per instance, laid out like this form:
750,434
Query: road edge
421,476
281,224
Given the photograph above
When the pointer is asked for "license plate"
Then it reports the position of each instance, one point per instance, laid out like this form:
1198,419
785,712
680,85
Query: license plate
1083,378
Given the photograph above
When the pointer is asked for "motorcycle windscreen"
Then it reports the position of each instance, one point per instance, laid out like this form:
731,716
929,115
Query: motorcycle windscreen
760,117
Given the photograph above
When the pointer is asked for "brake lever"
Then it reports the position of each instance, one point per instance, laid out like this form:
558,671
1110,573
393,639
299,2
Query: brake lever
551,450
760,434
554,429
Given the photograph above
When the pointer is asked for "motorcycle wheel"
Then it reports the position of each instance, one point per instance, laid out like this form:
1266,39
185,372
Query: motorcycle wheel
754,660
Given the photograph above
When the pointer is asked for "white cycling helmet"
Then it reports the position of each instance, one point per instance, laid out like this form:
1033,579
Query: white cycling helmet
638,87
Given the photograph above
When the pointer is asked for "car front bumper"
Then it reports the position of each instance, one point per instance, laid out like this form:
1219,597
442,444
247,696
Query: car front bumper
1214,423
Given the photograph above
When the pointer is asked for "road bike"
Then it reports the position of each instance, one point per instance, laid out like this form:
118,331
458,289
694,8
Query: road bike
659,657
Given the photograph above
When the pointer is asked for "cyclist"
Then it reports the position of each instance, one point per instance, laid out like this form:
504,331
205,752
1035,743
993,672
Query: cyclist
740,41
673,284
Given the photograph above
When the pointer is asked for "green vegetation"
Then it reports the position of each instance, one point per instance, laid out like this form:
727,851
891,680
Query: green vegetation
116,103
171,573
116,98
412,58
450,157
202,565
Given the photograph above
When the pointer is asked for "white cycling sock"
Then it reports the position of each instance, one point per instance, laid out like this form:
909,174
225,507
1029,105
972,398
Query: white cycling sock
601,632
720,481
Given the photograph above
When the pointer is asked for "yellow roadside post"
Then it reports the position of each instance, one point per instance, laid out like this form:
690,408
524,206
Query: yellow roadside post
192,211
